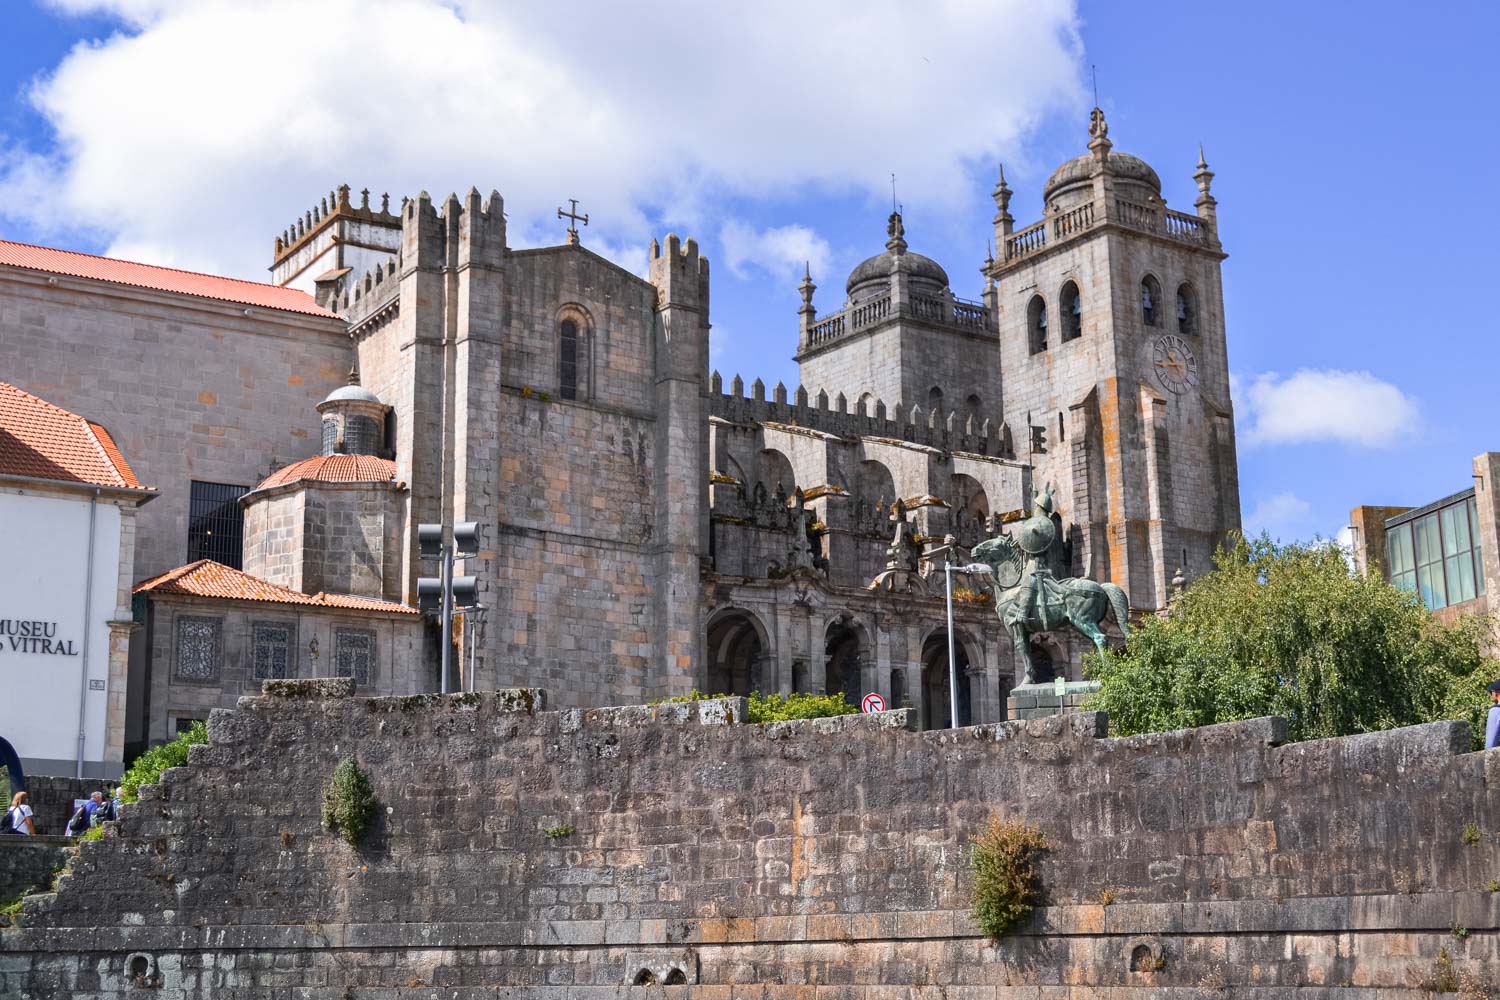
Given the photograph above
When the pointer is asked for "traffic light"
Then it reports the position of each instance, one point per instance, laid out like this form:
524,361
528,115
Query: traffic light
429,593
466,539
430,540
465,591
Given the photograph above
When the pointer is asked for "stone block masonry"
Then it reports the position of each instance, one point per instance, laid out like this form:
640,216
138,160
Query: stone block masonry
528,853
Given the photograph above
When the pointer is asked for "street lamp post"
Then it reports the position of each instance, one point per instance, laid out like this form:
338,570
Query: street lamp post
972,569
445,592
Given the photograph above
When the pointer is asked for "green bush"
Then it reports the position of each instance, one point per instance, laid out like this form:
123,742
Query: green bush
559,832
1005,884
148,766
781,708
1288,630
348,802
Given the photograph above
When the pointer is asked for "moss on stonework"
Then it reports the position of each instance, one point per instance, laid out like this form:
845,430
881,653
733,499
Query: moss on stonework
423,702
309,688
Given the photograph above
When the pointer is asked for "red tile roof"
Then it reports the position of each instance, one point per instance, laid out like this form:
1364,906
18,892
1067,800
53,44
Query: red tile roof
206,578
334,469
165,279
43,441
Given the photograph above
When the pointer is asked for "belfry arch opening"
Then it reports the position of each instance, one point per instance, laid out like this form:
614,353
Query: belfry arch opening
734,651
1036,324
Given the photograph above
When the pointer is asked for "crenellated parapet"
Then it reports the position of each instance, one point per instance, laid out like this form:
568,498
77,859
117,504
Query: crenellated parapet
332,238
946,431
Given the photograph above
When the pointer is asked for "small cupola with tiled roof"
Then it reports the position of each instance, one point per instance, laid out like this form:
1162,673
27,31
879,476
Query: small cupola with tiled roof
353,418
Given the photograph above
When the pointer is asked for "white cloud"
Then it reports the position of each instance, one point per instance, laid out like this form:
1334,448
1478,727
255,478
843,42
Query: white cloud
1283,516
1344,407
783,251
197,135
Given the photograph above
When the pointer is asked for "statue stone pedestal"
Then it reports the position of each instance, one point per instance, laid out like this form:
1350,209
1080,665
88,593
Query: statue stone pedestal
1033,701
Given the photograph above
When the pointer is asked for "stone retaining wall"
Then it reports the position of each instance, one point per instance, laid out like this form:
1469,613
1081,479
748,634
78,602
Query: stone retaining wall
27,863
822,860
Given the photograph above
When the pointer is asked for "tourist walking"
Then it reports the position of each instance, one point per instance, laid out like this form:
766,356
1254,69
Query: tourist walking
1492,724
18,820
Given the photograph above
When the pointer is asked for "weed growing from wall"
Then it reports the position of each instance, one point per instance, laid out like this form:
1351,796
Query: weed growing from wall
348,802
1005,883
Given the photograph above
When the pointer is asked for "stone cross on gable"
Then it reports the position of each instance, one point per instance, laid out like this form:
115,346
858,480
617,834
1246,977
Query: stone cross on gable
572,213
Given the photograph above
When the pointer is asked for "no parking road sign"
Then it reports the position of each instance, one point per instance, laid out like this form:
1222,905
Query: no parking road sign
872,703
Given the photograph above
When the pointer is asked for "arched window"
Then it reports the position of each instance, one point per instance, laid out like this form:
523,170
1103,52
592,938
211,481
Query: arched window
1036,324
567,360
1150,301
934,400
1187,310
973,407
1072,312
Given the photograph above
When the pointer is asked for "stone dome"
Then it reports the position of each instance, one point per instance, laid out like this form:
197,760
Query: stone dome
879,267
353,392
1080,170
873,276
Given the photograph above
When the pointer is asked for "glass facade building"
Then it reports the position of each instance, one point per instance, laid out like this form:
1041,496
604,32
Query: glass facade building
1434,551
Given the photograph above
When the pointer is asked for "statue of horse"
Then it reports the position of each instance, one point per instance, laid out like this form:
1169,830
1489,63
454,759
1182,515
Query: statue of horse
1028,599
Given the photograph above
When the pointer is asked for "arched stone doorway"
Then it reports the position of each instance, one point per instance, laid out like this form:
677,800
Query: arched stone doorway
847,649
734,652
1047,661
937,705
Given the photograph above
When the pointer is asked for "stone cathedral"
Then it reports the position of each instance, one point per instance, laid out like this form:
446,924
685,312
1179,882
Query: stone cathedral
650,526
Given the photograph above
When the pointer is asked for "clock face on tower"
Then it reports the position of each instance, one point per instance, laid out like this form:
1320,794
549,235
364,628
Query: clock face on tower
1175,364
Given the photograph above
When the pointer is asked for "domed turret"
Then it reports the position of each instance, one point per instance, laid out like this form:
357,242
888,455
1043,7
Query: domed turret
1072,184
352,419
872,278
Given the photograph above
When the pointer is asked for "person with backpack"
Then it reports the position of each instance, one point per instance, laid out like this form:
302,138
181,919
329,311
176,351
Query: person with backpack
79,824
18,819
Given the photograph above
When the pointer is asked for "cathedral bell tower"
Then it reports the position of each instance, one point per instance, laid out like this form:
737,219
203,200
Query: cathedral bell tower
1112,343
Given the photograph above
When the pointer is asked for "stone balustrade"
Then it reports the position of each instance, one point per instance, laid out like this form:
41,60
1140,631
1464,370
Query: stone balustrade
946,311
1139,216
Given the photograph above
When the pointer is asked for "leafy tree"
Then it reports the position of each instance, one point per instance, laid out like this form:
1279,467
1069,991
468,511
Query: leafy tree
1288,630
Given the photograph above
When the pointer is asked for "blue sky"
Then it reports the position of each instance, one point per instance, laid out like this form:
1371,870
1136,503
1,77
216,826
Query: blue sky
1354,146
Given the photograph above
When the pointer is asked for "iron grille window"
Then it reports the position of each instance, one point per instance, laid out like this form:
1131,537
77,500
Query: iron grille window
271,643
354,655
216,524
567,365
183,724
200,649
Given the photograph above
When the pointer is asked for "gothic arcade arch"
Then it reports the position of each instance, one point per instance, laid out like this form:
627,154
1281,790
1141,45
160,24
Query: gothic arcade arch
737,642
773,475
937,706
970,504
847,648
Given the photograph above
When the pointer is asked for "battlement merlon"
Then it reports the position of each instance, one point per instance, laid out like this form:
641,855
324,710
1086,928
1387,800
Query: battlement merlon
680,276
948,432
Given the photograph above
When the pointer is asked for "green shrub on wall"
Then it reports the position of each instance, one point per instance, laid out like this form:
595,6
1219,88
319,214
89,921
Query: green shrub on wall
783,708
1005,886
148,766
348,802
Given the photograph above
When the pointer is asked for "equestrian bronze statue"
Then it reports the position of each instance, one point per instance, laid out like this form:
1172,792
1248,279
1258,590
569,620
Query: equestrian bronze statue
1029,599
